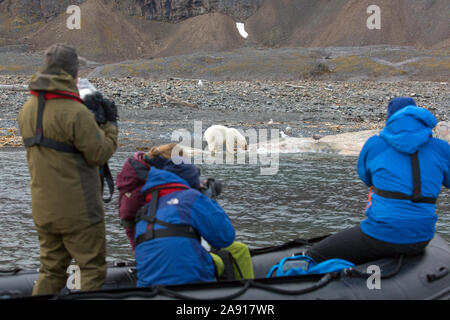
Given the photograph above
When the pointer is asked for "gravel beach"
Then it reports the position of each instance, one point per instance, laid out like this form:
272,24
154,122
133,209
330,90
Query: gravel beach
150,110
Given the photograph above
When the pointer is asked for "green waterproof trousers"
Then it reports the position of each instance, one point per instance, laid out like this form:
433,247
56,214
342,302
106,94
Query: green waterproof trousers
86,246
241,255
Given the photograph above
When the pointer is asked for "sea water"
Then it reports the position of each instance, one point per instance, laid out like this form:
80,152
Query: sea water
311,194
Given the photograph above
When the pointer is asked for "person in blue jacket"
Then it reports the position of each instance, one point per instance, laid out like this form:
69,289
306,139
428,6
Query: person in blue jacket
404,168
168,234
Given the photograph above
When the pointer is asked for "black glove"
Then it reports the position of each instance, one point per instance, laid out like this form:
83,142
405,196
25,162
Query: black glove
94,102
211,188
110,110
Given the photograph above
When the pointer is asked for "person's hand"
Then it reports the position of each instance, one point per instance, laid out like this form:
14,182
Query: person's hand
203,183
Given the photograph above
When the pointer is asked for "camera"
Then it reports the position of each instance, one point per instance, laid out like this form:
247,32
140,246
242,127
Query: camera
95,103
103,109
211,188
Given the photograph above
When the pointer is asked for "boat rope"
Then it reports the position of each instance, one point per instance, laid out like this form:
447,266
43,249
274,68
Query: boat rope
144,293
10,272
287,245
327,278
174,294
162,290
352,272
106,295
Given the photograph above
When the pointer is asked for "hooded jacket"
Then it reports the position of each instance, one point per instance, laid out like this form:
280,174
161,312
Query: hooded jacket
178,260
385,162
132,178
65,187
130,181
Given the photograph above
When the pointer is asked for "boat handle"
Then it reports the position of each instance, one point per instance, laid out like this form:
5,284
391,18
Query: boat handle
440,273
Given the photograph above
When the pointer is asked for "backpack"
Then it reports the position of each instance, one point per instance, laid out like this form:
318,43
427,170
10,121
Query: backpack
304,265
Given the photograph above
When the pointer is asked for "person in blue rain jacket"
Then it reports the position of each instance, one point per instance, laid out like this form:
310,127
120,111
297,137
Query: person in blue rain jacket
401,210
179,258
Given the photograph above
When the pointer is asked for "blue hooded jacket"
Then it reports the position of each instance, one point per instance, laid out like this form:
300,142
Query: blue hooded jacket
385,162
178,260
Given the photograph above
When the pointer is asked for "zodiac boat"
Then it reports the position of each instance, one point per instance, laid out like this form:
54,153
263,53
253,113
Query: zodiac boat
421,277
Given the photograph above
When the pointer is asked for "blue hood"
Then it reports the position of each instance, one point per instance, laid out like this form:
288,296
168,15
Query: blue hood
409,128
157,177
182,168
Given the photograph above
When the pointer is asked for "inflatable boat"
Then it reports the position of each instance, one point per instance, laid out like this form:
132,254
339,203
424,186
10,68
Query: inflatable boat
421,277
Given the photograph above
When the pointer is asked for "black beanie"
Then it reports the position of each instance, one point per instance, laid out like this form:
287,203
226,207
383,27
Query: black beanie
60,56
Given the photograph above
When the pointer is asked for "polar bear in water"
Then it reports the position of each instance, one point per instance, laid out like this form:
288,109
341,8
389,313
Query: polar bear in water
217,135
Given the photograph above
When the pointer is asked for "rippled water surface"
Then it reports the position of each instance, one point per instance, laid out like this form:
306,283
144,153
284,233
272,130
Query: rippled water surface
311,195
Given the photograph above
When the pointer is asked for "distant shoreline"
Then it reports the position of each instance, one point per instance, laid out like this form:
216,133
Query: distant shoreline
151,110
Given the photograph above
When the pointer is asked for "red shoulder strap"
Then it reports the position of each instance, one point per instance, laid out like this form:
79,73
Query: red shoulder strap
59,95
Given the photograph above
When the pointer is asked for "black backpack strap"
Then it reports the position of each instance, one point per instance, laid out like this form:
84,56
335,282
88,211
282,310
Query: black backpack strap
417,186
171,230
227,259
40,116
38,139
175,230
105,174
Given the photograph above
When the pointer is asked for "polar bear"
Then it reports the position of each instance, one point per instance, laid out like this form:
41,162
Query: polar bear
216,135
442,131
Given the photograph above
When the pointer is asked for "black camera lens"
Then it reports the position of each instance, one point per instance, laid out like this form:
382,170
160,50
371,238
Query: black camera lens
212,188
218,187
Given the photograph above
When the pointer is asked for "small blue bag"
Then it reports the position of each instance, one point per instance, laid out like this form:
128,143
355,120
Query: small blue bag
304,265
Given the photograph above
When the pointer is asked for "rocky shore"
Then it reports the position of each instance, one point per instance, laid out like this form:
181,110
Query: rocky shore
151,110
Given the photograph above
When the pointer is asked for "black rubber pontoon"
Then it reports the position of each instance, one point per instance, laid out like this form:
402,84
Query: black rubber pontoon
418,278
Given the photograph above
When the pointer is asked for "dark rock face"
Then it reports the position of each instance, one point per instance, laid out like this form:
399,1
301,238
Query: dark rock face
36,10
177,10
161,10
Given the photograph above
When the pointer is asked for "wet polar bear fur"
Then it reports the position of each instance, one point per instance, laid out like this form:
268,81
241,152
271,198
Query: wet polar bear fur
217,135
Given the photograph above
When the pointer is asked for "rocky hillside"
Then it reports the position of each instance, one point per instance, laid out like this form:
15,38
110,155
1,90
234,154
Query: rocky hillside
113,30
322,23
117,30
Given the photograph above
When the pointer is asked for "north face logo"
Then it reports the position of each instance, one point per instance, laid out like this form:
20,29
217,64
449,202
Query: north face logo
173,201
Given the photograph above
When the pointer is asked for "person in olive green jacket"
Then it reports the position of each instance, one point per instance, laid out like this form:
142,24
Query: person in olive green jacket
64,154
